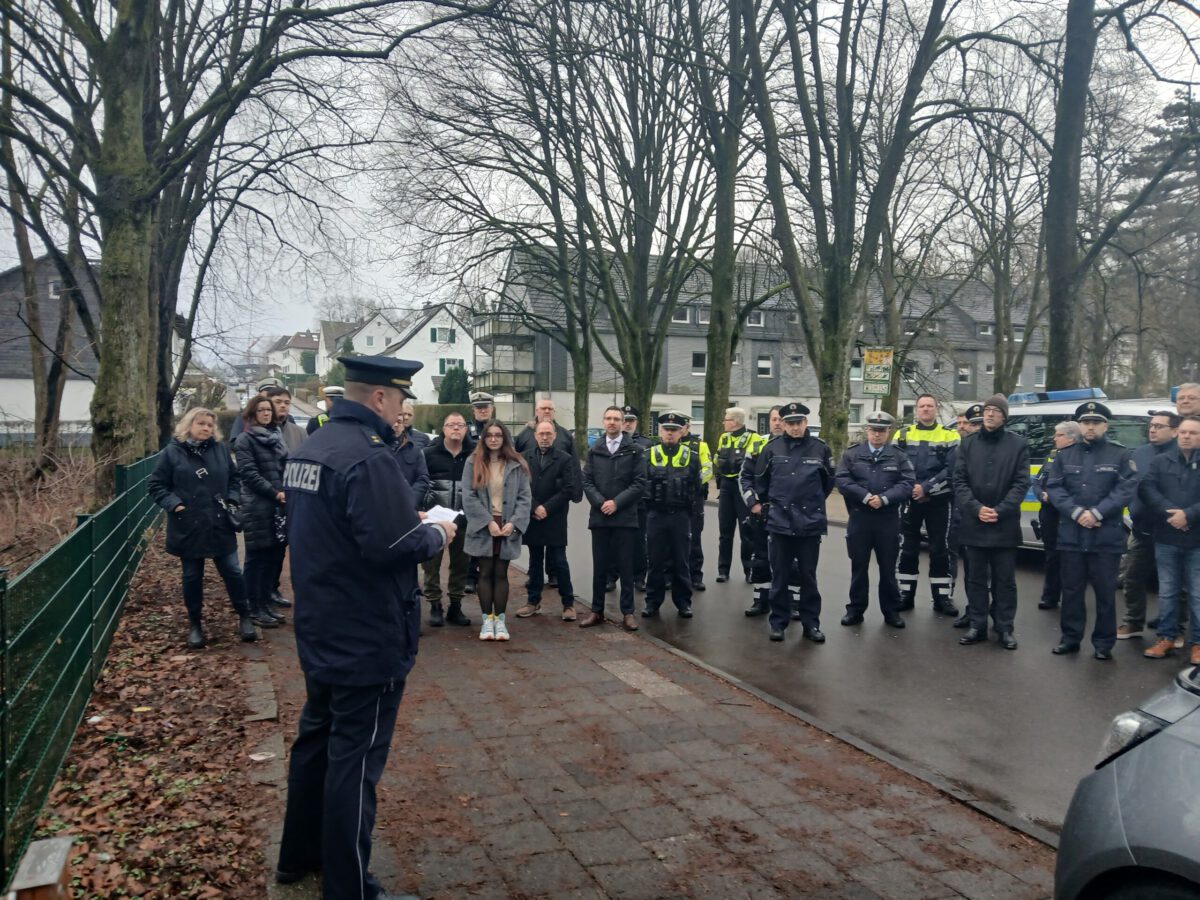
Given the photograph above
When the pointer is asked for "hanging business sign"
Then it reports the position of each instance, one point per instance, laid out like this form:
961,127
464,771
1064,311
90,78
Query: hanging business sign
877,370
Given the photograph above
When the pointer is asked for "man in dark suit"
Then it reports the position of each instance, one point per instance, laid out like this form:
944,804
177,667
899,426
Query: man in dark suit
555,482
613,482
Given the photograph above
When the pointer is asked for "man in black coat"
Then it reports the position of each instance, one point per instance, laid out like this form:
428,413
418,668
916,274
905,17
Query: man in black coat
555,482
445,459
991,476
613,482
543,411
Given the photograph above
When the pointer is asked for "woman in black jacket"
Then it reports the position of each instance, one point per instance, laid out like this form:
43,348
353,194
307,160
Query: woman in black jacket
261,454
196,483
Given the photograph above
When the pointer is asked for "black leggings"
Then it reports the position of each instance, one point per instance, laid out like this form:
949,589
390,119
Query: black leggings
493,585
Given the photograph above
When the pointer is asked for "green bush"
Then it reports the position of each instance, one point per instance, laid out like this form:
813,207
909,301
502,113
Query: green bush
428,417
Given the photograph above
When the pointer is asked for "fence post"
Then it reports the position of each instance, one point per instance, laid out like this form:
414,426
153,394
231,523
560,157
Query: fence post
5,838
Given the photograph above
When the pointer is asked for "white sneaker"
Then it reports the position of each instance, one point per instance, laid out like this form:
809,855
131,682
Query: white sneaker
501,628
487,631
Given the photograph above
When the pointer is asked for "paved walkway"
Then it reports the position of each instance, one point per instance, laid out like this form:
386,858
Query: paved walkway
592,763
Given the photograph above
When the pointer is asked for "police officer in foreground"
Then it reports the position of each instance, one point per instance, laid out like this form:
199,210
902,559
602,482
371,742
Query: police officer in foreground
356,540
875,480
1090,484
696,555
791,480
672,485
629,426
759,564
331,392
733,446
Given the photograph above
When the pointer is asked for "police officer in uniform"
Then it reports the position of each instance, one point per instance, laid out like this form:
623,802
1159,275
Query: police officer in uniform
672,486
875,480
1090,484
641,442
928,445
356,541
483,410
792,479
332,392
759,569
1066,433
696,555
733,446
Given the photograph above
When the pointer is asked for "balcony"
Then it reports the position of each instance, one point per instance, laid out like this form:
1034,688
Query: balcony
492,332
497,381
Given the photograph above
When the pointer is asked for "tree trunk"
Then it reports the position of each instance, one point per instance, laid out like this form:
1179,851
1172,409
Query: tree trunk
1062,197
722,310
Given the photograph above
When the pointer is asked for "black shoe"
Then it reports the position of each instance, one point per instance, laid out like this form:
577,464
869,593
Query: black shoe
777,634
852,619
685,613
279,600
436,616
974,636
649,613
1152,623
196,639
894,621
246,629
454,615
963,621
470,587
795,615
263,619
756,610
698,586
640,587
906,605
814,634
610,586
1007,640
1064,648
1047,604
723,577
266,610
282,876
945,608
1102,654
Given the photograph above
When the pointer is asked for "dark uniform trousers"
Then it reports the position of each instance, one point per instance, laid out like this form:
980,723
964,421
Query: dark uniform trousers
613,550
696,550
794,557
731,514
875,531
336,761
1100,571
639,552
934,514
1138,567
954,552
668,540
1052,585
1000,563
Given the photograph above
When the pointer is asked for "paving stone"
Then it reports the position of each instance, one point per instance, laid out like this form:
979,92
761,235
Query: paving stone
527,767
732,769
931,853
985,882
451,873
699,750
444,721
898,880
653,762
717,806
619,797
537,790
684,703
655,822
881,822
527,836
761,793
551,873
849,849
637,880
736,883
634,742
1008,852
575,815
607,845
798,869
489,811
802,819
750,837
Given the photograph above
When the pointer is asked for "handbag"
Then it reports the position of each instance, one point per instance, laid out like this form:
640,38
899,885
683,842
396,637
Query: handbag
232,513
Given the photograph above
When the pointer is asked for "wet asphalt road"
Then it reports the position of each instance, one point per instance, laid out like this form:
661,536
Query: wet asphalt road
1013,728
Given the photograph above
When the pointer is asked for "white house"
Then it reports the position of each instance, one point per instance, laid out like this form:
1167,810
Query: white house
330,337
287,355
441,341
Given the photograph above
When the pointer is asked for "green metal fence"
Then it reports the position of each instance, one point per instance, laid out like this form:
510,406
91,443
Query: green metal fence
57,620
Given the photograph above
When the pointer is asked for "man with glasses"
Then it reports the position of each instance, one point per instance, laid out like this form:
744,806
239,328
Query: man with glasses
1066,434
445,459
1138,567
733,446
527,442
991,476
875,480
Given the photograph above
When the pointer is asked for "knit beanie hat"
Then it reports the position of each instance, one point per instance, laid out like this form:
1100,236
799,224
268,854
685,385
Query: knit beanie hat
1000,402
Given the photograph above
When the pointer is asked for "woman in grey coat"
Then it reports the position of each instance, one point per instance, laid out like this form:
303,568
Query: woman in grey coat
496,501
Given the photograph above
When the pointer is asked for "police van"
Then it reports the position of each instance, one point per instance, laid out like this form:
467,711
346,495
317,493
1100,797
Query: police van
1033,417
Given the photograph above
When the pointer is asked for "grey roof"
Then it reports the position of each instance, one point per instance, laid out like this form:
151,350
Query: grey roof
15,358
333,331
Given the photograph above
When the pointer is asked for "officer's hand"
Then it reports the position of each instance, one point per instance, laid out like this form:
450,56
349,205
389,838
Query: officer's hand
989,515
608,507
179,508
875,501
450,528
1087,520
1176,518
1045,497
422,515
540,513
756,509
494,530
281,497
918,492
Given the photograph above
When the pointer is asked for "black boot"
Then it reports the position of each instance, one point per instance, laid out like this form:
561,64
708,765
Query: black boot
454,615
436,619
196,639
246,629
268,610
277,599
261,617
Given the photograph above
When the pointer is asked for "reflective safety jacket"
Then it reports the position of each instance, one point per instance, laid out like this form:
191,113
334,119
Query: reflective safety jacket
732,449
672,478
929,449
700,448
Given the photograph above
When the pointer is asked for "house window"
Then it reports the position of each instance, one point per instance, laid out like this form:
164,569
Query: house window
699,363
370,340
441,335
856,369
909,368
856,411
987,330
793,318
764,367
796,360
1039,376
682,315
754,318
929,326
908,411
702,315
1018,334
936,367
445,364
55,289
989,369
964,374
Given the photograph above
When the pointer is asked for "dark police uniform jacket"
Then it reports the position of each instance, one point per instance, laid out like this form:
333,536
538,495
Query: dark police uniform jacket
672,478
791,477
356,540
890,476
1094,475
930,449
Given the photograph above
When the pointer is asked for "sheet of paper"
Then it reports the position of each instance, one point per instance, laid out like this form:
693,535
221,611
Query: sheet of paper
441,514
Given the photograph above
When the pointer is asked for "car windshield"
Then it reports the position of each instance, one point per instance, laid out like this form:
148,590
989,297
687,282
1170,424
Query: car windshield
1038,431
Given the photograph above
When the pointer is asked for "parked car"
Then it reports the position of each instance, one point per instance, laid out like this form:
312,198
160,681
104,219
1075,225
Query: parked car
1133,827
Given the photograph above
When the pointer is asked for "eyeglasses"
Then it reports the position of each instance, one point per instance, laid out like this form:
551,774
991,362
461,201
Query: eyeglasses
455,425
1155,426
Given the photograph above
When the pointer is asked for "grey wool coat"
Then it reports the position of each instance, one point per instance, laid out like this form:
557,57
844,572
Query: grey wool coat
477,506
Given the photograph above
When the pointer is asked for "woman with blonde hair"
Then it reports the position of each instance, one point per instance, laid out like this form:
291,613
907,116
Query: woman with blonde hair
196,483
497,502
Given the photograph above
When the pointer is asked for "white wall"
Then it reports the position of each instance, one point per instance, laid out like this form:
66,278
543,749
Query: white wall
375,336
17,404
421,348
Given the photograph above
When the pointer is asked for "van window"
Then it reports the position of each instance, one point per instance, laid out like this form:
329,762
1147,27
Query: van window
1038,431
